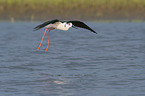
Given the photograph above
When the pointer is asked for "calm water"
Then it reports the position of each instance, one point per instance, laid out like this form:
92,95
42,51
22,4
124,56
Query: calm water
77,63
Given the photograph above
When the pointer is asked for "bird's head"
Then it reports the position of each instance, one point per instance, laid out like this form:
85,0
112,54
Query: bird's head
69,24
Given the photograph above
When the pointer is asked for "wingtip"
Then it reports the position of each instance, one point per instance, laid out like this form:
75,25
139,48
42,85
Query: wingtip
96,32
35,29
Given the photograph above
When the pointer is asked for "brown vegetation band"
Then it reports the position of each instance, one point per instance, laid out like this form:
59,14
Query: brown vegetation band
76,9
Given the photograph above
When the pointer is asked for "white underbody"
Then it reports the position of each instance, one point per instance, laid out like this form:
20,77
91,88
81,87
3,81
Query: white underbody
59,25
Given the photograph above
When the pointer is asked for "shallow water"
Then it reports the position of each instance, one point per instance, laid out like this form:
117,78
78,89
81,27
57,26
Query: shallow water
77,63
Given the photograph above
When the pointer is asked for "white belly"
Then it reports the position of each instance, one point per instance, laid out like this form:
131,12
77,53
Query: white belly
62,26
59,25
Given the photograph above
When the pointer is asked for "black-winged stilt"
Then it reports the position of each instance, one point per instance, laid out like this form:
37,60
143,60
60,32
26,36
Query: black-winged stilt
62,25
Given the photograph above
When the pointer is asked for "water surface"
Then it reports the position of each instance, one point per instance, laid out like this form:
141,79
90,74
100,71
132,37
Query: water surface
77,63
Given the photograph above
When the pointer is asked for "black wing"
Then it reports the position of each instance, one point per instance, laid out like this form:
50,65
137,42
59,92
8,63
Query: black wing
81,25
45,23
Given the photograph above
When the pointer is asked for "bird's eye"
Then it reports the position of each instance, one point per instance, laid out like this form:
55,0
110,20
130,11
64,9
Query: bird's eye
69,24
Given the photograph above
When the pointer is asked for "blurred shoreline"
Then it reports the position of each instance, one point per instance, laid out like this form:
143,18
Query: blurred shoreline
90,10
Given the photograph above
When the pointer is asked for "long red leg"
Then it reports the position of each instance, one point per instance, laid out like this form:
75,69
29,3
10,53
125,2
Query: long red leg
48,40
42,39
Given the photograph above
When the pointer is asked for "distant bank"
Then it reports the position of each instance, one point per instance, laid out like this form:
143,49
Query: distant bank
32,10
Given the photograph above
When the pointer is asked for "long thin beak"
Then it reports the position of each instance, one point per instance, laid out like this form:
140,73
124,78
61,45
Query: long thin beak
74,27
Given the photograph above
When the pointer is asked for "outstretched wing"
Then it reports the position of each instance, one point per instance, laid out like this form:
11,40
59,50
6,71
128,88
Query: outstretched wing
45,24
81,25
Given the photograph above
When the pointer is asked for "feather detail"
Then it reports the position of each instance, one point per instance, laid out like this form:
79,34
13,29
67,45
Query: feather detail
45,24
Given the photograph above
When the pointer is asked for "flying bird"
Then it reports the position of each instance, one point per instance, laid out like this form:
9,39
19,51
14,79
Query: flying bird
61,25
